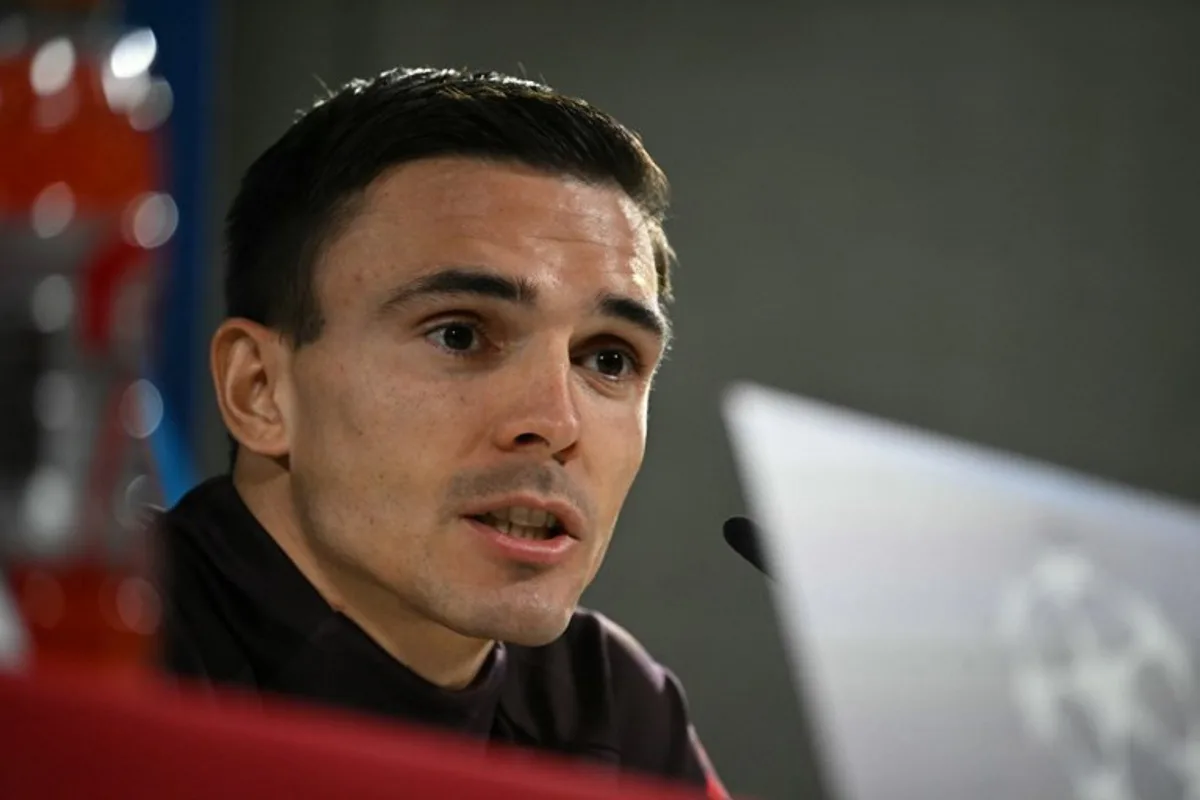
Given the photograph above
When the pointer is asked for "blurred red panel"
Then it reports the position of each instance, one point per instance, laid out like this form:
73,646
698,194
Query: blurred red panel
67,738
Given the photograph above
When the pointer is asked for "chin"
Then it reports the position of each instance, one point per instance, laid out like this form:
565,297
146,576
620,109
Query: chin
528,627
534,636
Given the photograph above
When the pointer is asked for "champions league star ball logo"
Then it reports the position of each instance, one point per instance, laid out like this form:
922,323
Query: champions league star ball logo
1103,681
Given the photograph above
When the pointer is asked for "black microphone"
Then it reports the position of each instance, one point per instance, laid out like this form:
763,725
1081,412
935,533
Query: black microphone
742,535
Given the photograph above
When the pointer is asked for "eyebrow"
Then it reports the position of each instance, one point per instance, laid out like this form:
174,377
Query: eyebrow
463,281
636,312
477,282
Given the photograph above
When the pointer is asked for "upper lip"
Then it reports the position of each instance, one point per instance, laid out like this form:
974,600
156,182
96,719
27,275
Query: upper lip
568,515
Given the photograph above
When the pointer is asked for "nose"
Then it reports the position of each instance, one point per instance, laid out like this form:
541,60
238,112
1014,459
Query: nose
541,415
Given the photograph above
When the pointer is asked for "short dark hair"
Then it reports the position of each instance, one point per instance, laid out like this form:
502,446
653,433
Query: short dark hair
294,198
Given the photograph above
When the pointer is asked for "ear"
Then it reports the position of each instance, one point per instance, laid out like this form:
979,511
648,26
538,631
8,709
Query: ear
249,370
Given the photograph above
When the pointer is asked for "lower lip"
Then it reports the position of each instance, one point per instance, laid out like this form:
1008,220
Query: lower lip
545,552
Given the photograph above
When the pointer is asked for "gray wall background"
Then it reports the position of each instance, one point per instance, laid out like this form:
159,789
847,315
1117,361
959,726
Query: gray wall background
976,218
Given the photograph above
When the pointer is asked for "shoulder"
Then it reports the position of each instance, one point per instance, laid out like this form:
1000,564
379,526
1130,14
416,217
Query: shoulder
599,691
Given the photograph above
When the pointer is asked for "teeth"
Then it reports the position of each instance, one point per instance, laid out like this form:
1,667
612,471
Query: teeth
524,517
511,522
532,517
523,532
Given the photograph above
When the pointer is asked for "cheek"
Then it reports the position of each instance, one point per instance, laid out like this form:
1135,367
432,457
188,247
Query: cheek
335,409
376,421
372,453
621,438
339,410
639,427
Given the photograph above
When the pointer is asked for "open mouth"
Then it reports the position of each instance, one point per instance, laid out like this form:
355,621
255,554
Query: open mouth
522,523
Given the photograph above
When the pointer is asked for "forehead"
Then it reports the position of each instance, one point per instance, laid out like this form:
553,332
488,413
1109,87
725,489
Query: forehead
559,232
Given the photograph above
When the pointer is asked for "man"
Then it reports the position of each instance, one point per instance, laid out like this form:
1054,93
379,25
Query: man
446,308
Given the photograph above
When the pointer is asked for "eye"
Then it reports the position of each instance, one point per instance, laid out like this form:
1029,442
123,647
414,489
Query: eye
455,337
612,363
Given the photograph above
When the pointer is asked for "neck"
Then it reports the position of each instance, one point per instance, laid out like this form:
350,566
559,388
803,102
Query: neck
431,650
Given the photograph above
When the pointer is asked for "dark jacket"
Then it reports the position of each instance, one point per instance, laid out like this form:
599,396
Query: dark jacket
239,613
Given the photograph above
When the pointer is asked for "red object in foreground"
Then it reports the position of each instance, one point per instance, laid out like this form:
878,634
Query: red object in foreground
82,615
70,738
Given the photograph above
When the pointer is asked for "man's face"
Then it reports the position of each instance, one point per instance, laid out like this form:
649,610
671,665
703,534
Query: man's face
488,347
